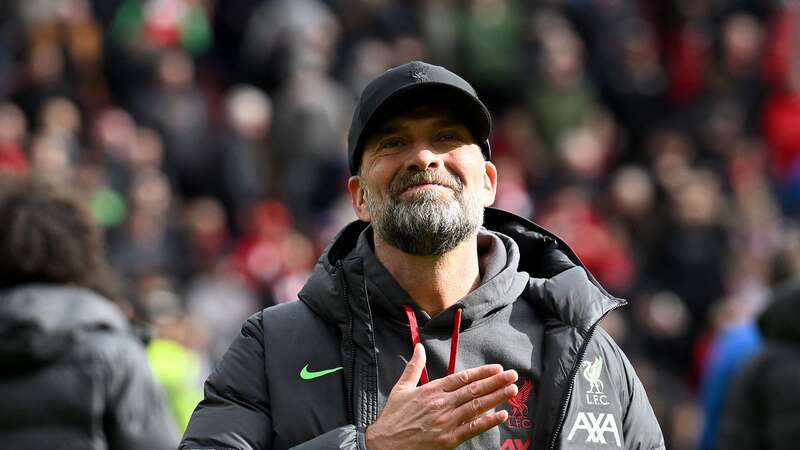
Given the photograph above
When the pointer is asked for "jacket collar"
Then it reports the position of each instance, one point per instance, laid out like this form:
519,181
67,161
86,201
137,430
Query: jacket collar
558,284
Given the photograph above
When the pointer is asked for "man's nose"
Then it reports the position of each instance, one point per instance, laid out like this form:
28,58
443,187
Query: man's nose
423,157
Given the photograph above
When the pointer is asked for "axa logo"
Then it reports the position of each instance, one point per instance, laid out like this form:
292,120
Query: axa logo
516,444
519,417
596,427
592,372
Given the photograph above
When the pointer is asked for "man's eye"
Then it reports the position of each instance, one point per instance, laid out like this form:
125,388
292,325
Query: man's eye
448,137
391,143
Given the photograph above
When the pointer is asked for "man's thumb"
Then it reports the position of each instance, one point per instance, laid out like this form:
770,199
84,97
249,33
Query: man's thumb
414,367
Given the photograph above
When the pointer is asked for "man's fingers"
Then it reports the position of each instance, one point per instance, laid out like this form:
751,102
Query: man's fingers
470,429
482,387
458,380
475,407
413,371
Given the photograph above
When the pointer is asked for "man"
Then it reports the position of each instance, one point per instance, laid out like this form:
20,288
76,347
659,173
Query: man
420,329
763,404
72,372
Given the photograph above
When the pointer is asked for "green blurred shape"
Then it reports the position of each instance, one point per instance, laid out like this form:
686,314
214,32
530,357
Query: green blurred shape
177,368
108,207
196,34
126,26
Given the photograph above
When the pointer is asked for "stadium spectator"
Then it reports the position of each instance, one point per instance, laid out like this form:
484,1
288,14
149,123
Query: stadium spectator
763,406
72,372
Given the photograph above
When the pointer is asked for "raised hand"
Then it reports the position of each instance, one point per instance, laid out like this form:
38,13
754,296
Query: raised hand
443,413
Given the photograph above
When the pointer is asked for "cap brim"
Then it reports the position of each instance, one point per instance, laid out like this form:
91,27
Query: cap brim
463,104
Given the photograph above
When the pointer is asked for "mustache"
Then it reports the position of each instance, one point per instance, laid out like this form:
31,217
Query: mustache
415,178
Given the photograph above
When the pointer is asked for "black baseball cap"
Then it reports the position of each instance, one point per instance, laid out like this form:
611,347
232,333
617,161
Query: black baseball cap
411,85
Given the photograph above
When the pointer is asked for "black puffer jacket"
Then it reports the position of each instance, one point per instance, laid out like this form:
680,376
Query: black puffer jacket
763,407
74,377
584,394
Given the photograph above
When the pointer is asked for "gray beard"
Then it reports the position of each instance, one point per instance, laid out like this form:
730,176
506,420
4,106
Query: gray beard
427,224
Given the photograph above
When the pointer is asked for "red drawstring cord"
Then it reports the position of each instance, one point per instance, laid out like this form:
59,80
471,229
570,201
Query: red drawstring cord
412,325
451,368
415,339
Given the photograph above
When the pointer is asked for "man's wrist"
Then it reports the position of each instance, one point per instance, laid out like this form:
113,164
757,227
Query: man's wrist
368,439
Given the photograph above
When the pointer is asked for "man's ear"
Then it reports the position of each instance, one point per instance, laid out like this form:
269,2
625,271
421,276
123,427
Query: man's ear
358,198
489,183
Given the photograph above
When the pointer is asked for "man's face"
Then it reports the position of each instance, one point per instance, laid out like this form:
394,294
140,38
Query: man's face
423,182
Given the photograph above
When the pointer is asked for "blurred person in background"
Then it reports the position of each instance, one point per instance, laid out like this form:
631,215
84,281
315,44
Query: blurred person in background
283,37
763,405
491,32
766,253
584,226
243,153
693,246
632,204
13,131
311,116
150,240
72,372
634,80
173,352
220,300
562,96
732,347
175,105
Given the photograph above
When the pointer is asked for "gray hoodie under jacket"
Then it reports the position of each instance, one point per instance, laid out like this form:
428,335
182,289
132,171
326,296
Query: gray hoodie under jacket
314,374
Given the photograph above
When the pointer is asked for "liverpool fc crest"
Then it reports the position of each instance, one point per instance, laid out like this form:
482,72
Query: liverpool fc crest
519,417
591,371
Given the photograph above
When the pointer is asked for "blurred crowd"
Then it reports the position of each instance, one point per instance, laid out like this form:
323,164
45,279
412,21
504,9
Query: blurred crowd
658,138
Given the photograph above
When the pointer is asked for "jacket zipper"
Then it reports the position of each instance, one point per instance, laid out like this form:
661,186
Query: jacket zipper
351,362
573,373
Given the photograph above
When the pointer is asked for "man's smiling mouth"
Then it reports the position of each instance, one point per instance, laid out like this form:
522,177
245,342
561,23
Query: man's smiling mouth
424,182
423,186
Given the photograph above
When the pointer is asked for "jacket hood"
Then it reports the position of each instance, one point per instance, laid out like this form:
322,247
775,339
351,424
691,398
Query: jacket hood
781,319
39,322
554,273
